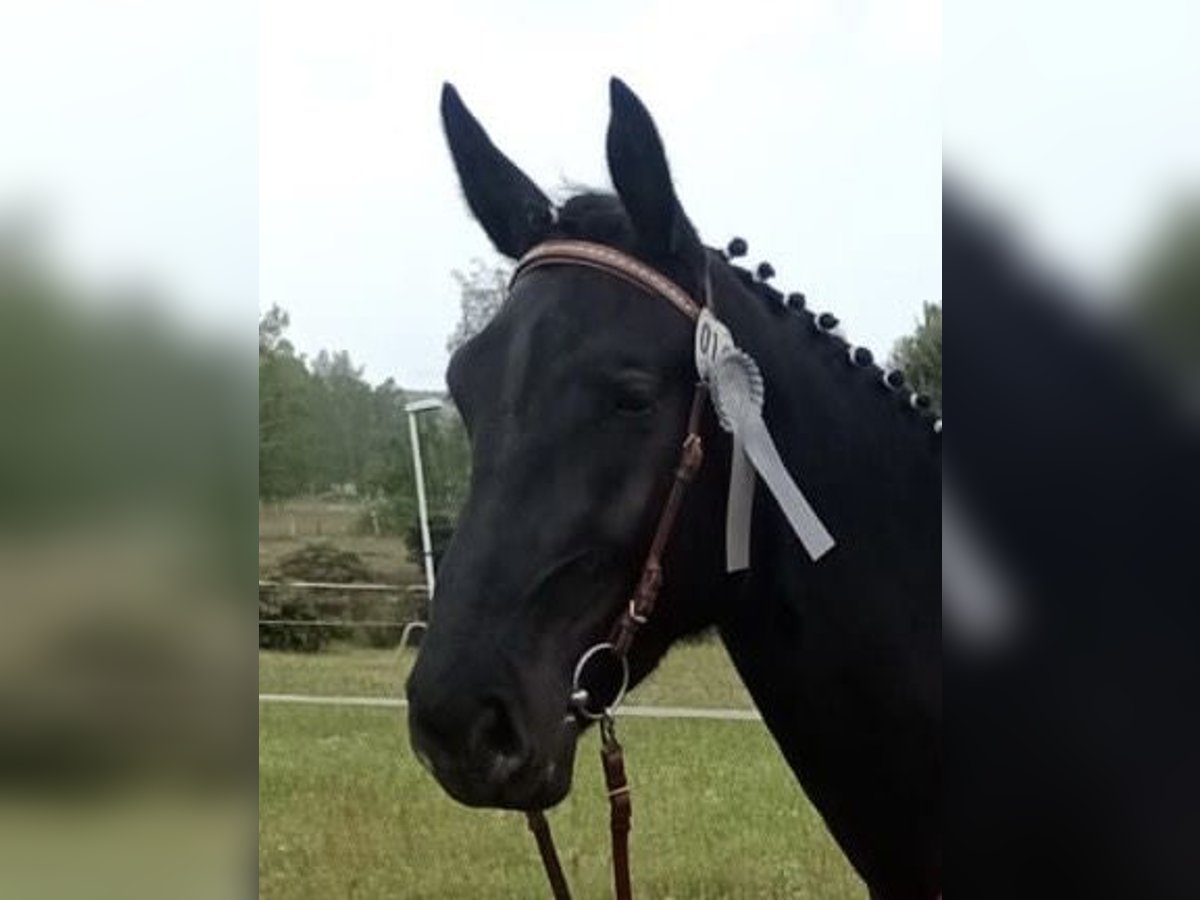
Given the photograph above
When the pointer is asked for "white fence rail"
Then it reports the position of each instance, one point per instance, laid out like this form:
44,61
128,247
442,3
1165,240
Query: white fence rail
408,628
346,588
634,712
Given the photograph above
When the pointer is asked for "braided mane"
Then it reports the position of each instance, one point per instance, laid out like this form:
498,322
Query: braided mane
599,216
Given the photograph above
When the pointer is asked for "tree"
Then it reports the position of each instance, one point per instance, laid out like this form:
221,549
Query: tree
482,289
919,355
1165,289
271,326
285,422
342,409
321,424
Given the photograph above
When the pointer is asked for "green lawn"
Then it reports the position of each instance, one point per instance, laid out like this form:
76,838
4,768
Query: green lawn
345,811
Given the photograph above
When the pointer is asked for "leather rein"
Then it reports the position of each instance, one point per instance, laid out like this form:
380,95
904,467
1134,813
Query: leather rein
641,605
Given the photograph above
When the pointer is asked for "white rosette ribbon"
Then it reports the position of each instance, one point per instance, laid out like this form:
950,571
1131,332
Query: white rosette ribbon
736,386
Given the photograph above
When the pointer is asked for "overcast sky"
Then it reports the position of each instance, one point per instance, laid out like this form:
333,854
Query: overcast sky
293,153
1077,121
811,129
130,128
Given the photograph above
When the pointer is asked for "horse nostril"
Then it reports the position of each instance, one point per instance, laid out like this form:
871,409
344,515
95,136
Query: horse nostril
496,734
476,748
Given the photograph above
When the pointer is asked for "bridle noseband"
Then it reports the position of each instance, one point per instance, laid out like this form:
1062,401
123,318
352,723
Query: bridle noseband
641,605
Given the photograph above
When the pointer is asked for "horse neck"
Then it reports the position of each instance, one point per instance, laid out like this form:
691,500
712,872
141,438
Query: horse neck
843,653
870,466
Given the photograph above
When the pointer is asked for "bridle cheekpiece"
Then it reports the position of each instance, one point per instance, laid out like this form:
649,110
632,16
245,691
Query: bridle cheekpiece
583,701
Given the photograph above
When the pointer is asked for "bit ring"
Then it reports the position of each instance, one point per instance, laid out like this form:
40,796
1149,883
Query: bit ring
581,705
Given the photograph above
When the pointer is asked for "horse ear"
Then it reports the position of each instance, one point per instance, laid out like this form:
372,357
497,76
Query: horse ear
510,207
638,166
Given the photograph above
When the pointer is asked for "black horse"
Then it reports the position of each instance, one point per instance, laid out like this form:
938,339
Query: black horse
575,397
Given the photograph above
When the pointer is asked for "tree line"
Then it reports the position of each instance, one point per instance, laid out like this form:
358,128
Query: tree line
324,430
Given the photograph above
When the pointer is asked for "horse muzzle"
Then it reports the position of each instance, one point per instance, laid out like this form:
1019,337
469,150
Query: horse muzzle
483,754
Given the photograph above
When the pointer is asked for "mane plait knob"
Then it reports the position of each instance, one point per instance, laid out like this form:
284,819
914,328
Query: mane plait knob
737,247
919,401
827,321
795,301
893,379
861,356
765,271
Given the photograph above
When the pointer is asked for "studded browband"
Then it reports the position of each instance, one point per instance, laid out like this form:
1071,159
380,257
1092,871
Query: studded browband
614,262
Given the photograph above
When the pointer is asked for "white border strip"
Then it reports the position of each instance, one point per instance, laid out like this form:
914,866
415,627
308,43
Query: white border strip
638,712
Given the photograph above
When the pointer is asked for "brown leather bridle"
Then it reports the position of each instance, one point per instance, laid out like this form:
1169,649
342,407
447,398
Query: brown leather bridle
645,595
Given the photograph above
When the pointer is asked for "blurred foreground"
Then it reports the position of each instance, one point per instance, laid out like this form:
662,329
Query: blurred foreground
1070,580
127,465
127,568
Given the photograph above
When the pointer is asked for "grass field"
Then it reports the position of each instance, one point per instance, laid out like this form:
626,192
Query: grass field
345,811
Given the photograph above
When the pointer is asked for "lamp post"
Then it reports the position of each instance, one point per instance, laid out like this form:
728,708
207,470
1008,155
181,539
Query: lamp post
413,408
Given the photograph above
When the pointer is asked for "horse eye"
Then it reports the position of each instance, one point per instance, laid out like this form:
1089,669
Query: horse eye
634,398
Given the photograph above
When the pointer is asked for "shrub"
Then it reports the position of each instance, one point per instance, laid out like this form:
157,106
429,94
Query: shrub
324,562
282,603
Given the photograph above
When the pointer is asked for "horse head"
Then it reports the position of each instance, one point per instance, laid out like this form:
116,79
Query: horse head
574,397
